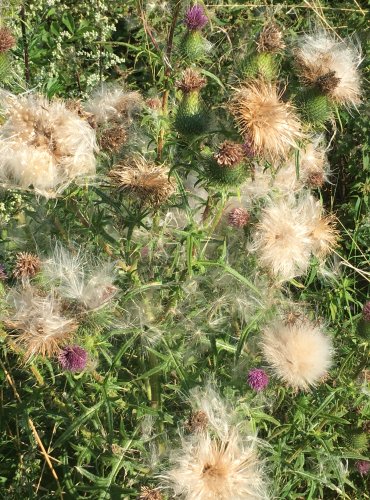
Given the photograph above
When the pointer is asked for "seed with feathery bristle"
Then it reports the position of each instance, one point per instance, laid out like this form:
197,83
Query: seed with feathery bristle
229,154
197,421
43,144
148,181
7,40
270,39
27,265
238,217
147,493
268,123
191,81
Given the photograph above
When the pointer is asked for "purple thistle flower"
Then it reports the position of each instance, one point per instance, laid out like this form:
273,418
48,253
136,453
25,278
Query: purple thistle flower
3,275
258,379
363,467
195,19
248,149
366,311
73,358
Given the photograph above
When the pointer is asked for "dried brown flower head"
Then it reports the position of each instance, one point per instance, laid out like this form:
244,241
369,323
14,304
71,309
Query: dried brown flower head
269,124
113,138
197,421
238,217
148,181
7,40
147,493
27,265
316,75
37,321
328,82
154,103
315,180
75,106
191,81
270,39
229,154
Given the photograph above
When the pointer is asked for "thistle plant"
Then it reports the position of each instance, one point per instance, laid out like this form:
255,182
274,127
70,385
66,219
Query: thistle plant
184,249
193,45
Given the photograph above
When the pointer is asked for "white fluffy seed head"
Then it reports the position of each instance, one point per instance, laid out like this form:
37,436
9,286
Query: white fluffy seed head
209,401
321,53
43,144
76,279
290,230
113,104
299,352
281,242
320,227
209,468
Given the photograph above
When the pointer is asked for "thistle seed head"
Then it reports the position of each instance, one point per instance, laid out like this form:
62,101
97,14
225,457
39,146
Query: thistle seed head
270,39
7,40
229,154
27,265
191,81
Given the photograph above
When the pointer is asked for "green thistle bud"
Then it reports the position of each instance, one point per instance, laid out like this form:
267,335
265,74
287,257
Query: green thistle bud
263,64
315,107
357,441
193,46
192,117
227,166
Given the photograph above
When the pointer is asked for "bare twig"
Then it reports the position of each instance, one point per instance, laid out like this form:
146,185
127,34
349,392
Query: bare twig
167,74
26,56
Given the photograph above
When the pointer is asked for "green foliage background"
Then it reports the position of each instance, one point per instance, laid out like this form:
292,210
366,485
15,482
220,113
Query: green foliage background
93,425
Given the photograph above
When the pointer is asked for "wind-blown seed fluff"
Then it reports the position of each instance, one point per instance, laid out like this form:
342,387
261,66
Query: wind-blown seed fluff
331,64
145,180
320,227
290,231
313,164
76,279
269,124
299,352
43,144
281,241
209,468
113,104
37,322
